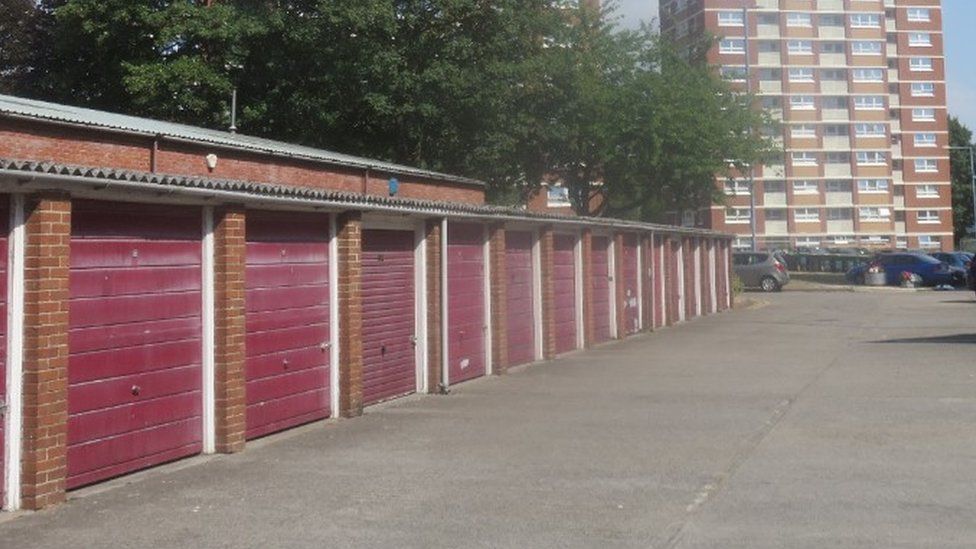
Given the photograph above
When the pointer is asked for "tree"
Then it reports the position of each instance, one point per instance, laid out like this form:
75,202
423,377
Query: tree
512,92
962,190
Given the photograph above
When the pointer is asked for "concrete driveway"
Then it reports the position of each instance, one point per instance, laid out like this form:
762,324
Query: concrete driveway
818,420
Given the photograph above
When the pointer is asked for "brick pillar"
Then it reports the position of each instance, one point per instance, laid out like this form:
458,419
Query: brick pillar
618,280
728,272
499,298
548,295
586,245
434,324
229,328
45,396
350,232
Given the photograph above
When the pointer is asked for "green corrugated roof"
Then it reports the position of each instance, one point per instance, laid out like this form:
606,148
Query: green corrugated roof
54,112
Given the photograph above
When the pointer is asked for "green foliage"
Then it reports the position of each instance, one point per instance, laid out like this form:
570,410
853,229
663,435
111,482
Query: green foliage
507,91
738,287
962,190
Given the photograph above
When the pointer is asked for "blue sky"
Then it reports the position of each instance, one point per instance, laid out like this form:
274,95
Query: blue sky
959,21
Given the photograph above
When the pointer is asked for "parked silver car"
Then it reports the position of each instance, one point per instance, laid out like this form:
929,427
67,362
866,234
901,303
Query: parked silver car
760,270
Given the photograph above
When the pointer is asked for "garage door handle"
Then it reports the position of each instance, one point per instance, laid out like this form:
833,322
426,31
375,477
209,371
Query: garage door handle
284,363
136,390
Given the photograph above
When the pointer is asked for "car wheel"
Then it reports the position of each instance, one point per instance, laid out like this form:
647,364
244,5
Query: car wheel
769,284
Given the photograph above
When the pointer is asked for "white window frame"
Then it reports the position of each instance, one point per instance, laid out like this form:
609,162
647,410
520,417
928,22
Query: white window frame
806,215
928,217
732,45
799,19
799,47
929,241
867,75
923,114
804,158
919,15
925,140
927,191
874,214
872,158
730,19
803,131
869,103
869,126
737,187
802,103
806,187
865,21
801,74
920,39
872,186
737,216
923,89
867,47
921,64
926,165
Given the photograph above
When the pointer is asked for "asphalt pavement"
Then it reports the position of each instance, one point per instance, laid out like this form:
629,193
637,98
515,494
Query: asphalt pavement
810,419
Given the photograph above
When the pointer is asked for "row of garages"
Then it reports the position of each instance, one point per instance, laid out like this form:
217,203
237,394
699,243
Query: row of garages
152,370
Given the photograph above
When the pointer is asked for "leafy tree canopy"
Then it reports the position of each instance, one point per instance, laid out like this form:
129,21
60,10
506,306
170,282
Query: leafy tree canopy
962,178
508,91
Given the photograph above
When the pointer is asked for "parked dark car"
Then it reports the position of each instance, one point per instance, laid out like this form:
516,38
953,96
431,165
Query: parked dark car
955,259
932,271
761,270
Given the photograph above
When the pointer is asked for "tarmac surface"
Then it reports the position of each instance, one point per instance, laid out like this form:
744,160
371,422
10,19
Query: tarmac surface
815,420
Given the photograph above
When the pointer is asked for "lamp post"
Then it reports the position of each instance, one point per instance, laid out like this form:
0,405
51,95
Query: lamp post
752,182
972,173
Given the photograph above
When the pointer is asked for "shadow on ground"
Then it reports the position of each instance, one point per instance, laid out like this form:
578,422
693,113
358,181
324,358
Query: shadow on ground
958,338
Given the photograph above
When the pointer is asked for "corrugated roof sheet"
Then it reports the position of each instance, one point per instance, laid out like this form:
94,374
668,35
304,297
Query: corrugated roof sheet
314,195
53,112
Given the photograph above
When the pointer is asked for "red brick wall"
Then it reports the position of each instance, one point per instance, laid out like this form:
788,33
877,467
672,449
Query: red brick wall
87,147
229,328
586,246
499,298
434,325
349,227
45,391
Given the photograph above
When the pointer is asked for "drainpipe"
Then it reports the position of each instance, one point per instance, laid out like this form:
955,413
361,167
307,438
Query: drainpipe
153,153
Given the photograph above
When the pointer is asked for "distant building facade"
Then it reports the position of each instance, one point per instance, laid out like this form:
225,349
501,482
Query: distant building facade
859,86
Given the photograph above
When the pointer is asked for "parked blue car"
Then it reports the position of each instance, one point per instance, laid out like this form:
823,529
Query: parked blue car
932,271
955,259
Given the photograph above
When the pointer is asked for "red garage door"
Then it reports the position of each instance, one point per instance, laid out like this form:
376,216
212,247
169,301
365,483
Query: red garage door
519,304
134,367
631,294
706,287
564,291
4,230
287,302
465,301
600,284
389,315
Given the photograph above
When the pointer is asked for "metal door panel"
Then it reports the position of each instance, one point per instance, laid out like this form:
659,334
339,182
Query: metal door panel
600,287
564,291
466,301
389,315
288,337
629,265
135,354
519,291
